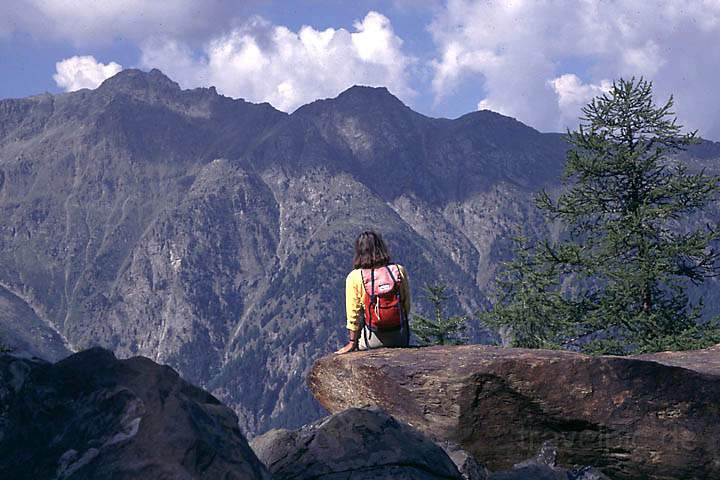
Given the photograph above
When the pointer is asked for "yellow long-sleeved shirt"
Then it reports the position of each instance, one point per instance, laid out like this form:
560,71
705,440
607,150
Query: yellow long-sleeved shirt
355,296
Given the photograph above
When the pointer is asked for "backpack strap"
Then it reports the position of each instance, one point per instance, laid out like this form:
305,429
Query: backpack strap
387,267
368,313
365,336
404,326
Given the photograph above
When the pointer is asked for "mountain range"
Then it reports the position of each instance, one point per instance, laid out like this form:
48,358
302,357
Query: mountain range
214,235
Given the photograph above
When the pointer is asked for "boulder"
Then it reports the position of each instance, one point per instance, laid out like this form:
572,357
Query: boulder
544,467
356,443
468,466
629,417
94,416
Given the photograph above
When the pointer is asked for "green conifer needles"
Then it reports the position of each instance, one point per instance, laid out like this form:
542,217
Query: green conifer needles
616,280
439,330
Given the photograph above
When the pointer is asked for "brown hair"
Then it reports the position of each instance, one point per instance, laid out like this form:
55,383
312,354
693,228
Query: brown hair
370,251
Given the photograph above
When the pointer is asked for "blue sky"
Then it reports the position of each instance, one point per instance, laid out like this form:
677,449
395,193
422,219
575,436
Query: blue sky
536,60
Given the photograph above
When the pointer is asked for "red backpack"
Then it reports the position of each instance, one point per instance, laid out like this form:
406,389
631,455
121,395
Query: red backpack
383,305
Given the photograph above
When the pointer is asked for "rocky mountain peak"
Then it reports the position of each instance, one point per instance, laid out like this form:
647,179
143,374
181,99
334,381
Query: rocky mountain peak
356,99
366,92
149,86
369,98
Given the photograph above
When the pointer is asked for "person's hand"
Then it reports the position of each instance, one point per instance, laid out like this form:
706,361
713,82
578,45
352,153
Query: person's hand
349,347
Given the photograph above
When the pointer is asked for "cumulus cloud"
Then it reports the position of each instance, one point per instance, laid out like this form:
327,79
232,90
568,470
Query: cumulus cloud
260,61
79,72
541,61
90,22
572,94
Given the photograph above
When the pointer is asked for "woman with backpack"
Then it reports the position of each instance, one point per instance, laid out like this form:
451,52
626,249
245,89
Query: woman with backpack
377,298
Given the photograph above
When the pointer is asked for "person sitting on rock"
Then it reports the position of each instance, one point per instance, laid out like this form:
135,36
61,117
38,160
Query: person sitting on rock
379,290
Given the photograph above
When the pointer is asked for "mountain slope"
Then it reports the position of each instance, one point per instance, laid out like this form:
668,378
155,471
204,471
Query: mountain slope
214,234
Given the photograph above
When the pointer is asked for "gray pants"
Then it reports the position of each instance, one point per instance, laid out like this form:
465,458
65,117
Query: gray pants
394,338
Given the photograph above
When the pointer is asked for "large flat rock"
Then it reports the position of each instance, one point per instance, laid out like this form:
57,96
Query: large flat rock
703,361
630,417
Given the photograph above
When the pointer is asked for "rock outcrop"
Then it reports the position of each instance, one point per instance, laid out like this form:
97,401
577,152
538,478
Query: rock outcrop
92,416
544,467
469,467
702,361
361,444
629,417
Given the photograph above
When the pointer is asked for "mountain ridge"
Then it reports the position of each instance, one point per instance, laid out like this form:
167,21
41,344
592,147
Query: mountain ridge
215,234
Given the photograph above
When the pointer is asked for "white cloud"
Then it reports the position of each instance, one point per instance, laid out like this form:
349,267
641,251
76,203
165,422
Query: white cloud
572,94
540,61
260,61
79,72
91,22
176,60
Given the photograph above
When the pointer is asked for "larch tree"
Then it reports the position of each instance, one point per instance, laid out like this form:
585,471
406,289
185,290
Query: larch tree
616,281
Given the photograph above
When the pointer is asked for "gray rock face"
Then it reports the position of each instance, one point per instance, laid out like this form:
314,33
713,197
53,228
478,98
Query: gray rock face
92,416
214,235
630,417
467,465
25,333
361,444
544,467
